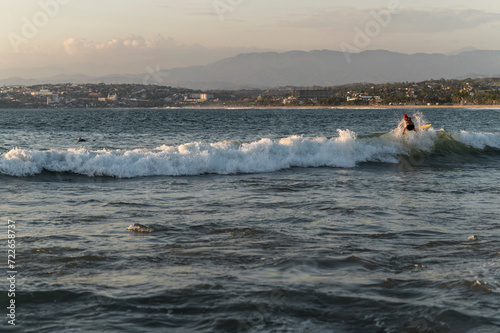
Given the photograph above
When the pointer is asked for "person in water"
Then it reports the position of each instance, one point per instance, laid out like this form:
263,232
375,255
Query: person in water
81,140
409,126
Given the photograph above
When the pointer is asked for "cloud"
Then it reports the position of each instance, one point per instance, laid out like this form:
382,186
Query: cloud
130,55
135,52
326,19
443,20
406,20
119,55
82,46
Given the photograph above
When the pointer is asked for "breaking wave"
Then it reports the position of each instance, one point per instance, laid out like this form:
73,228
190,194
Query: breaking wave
345,150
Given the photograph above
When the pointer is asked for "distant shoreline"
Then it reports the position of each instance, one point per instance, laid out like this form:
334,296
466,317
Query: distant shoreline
351,107
468,93
312,107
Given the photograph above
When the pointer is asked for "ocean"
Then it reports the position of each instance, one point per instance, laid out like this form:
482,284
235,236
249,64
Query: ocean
250,220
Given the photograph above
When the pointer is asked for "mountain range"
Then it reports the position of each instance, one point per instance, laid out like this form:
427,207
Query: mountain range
302,69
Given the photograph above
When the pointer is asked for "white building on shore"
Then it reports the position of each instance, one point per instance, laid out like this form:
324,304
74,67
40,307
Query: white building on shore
198,97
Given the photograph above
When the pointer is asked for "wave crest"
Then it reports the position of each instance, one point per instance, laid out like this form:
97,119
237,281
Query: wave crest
345,150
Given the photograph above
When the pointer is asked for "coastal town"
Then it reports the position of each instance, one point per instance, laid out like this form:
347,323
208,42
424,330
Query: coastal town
468,92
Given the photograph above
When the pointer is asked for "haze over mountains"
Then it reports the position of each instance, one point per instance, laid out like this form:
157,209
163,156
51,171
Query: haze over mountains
299,68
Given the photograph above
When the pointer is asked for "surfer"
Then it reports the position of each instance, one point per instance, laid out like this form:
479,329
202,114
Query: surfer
81,140
409,126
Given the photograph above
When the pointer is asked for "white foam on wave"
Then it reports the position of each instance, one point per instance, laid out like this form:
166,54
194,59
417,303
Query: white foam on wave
478,140
345,151
195,158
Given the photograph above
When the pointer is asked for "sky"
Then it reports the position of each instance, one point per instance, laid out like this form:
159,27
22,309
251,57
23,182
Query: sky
40,38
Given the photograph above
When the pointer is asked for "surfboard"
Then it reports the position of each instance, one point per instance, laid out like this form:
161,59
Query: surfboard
425,127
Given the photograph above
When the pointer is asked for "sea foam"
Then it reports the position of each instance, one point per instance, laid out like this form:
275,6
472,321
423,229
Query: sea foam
478,140
345,151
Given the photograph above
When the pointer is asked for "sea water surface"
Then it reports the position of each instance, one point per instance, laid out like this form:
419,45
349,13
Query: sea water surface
276,220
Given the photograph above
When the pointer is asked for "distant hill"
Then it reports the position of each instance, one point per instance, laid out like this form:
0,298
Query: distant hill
299,68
